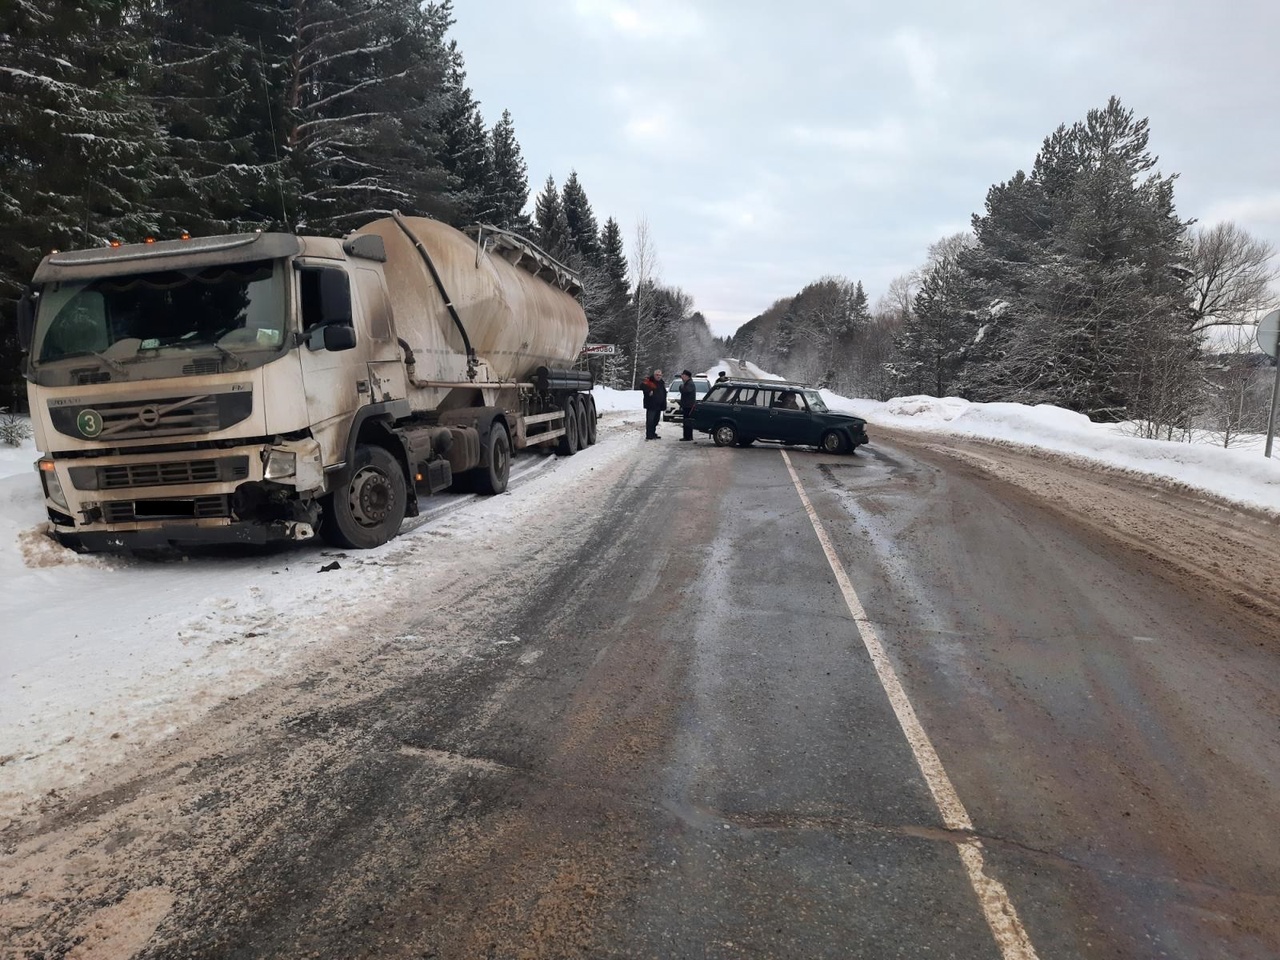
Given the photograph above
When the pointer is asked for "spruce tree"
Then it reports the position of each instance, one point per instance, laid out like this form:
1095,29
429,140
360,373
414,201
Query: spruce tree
466,150
553,226
509,188
364,89
584,233
80,148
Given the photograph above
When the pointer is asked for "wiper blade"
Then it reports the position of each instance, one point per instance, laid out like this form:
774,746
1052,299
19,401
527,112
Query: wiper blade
115,365
239,360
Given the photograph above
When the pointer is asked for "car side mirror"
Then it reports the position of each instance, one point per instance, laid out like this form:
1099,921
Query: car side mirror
339,336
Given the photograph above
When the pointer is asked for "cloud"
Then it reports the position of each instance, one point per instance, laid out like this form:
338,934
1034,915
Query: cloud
1256,209
888,137
643,19
920,59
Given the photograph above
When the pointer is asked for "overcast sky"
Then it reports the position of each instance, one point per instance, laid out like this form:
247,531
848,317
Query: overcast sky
770,144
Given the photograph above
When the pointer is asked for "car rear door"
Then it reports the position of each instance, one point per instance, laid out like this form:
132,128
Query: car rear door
748,416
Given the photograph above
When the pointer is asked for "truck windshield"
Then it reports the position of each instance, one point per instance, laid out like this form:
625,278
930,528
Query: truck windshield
226,311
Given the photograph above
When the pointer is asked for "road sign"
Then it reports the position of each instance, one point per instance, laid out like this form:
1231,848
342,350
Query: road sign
600,350
1269,332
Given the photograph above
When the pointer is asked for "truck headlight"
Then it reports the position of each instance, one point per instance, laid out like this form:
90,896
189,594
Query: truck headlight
52,485
280,464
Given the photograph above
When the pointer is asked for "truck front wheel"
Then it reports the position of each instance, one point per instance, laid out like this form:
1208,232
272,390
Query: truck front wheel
368,510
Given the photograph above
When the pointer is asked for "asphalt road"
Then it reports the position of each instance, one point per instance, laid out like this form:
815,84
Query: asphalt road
674,724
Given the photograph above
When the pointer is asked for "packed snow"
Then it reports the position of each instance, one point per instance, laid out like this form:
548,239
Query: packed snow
102,655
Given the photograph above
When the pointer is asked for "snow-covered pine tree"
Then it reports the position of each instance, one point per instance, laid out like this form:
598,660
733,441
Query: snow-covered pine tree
466,150
553,226
365,88
213,76
1079,276
509,189
80,148
584,233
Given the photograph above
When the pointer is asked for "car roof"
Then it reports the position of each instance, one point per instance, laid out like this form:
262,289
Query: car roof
752,382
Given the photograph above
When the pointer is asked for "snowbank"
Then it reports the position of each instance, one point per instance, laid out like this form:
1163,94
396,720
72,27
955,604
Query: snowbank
1240,475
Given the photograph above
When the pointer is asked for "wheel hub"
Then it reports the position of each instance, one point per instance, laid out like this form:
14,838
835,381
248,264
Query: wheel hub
370,497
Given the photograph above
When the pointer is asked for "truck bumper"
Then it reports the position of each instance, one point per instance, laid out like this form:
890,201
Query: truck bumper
179,536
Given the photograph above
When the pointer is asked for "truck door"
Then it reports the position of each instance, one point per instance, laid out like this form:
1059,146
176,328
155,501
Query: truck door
387,379
331,353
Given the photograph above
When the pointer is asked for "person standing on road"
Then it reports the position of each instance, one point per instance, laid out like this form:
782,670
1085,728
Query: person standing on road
688,395
655,401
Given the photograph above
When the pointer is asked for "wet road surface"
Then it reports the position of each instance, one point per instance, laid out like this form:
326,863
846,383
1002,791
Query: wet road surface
660,733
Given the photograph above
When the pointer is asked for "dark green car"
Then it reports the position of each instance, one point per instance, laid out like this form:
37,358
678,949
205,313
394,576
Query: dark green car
740,412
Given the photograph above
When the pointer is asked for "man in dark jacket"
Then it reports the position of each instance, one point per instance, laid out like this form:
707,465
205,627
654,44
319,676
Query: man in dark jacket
688,395
655,401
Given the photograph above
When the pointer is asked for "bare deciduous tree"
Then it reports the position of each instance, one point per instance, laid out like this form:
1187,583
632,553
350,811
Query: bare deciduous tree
1232,274
644,269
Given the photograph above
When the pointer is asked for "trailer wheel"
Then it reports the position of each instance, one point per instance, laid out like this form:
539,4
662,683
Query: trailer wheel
491,475
367,512
568,445
590,403
584,418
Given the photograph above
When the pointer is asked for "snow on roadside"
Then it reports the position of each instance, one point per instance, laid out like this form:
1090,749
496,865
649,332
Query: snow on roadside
1240,475
101,655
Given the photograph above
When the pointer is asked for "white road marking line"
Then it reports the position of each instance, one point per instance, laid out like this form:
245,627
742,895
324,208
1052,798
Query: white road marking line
998,909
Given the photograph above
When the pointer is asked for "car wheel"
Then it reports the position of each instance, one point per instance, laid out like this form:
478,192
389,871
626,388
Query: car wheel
833,441
367,511
725,435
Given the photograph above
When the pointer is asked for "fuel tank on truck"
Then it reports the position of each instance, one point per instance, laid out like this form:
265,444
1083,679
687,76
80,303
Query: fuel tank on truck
516,320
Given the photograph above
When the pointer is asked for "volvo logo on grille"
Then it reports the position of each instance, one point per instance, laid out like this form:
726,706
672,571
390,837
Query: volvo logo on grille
149,416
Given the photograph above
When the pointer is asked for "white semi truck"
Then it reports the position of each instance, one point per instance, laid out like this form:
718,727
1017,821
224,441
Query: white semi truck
267,386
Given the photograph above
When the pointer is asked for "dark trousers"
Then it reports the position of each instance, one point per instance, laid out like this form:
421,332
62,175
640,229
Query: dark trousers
651,418
688,425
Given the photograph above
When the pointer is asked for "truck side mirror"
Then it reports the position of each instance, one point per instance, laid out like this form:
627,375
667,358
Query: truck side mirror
339,336
26,319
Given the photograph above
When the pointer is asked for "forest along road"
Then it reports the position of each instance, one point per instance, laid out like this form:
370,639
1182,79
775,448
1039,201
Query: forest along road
935,699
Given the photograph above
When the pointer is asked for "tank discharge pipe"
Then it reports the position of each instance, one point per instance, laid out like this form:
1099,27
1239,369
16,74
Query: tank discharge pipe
444,294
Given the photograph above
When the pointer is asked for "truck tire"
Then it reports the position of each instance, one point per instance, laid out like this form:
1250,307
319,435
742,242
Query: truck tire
568,445
491,475
368,510
590,403
584,417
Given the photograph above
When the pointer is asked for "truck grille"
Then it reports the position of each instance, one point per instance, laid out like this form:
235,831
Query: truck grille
153,417
188,508
124,476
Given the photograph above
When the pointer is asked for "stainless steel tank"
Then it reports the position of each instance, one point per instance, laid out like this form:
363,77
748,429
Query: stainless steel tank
516,321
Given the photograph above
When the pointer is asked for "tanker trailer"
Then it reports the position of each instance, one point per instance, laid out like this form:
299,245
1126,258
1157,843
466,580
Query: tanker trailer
266,386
